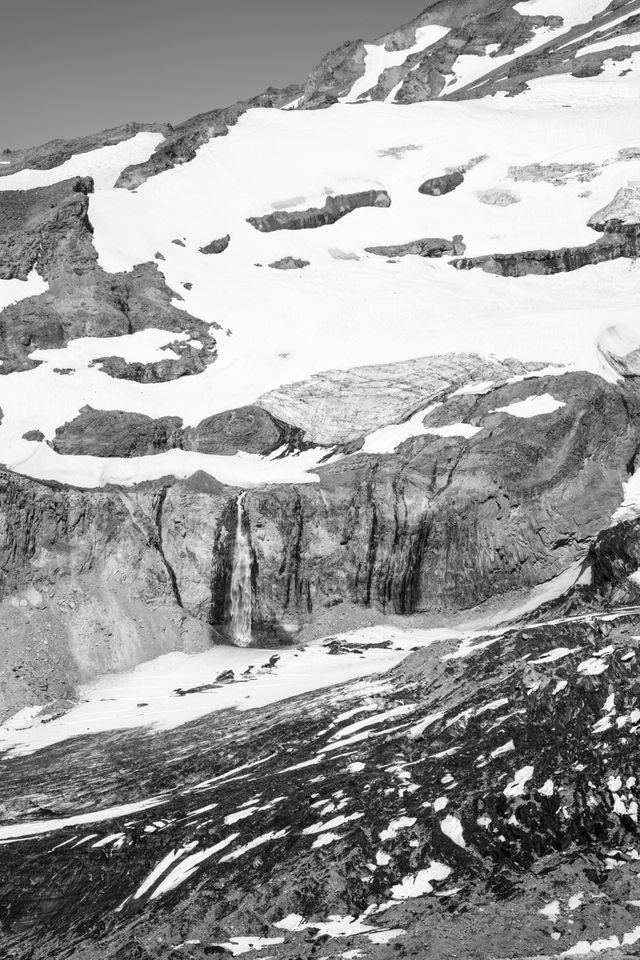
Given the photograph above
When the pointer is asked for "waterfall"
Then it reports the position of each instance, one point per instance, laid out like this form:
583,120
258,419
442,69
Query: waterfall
240,592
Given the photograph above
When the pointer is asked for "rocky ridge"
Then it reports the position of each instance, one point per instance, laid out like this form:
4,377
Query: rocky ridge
48,229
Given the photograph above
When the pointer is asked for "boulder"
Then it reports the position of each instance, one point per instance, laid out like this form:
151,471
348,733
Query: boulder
438,186
217,246
289,263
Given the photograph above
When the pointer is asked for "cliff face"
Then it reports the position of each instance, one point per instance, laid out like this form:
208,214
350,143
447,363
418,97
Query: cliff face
97,580
85,587
246,403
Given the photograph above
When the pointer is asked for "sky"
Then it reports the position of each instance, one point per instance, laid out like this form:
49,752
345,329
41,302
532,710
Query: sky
70,67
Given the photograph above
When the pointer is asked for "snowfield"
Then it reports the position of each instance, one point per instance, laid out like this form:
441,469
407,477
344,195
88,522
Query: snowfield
104,164
348,308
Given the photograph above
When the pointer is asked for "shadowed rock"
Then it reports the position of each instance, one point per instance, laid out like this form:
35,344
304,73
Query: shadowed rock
612,246
289,263
334,209
427,247
438,186
116,433
217,246
618,222
190,361
49,227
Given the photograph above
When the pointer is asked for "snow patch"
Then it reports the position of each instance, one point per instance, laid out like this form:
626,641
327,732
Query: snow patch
532,406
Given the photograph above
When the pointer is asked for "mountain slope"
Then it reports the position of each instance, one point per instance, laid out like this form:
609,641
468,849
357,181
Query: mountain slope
342,372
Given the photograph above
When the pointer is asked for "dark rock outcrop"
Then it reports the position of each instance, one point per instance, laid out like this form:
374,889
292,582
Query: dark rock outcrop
289,263
618,222
49,228
443,524
190,361
426,247
37,225
438,186
116,433
56,152
533,768
334,209
613,246
217,246
250,429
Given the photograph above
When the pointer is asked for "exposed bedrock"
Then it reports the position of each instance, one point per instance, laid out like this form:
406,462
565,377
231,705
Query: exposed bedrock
217,246
289,263
613,246
424,74
442,524
426,247
334,209
84,588
445,524
190,360
118,433
41,224
438,186
622,211
48,228
55,152
618,222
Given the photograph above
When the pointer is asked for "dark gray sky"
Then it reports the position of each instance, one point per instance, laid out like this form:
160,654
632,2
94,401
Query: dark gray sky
69,67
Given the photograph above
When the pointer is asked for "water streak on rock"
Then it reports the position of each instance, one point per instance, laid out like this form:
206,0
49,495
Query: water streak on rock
240,592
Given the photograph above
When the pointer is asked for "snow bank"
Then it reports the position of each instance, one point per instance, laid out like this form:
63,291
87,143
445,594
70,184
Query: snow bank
104,164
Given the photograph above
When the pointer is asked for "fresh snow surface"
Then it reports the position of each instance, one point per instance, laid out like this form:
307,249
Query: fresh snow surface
532,406
356,312
42,399
518,785
452,828
104,164
466,430
239,945
351,306
112,702
241,470
474,389
630,506
418,884
11,291
378,59
388,439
